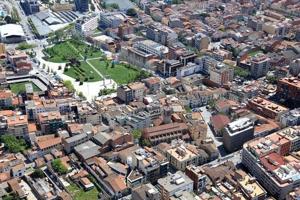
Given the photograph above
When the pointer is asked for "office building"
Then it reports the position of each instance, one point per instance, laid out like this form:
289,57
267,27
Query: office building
30,6
82,5
237,133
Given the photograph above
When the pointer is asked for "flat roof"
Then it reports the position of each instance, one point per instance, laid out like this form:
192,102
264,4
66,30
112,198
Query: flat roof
11,30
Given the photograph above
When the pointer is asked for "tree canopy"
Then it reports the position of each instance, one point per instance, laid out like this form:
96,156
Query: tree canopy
13,144
59,167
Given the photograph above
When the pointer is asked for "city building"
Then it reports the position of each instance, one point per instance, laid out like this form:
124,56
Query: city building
196,174
237,133
112,19
291,118
82,5
145,192
17,125
152,47
50,122
165,133
71,142
149,162
288,89
174,184
161,34
266,108
125,94
221,74
260,65
12,33
86,25
30,6
272,161
6,98
181,154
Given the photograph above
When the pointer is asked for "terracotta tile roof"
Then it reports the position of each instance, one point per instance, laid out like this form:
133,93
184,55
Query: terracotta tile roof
219,121
51,141
164,129
31,127
116,182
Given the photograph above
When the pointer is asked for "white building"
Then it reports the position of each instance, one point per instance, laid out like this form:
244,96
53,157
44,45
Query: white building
152,47
189,69
174,184
86,25
12,33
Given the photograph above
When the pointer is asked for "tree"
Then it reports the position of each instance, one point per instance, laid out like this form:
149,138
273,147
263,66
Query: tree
38,173
131,12
137,133
238,71
112,64
8,19
68,84
13,144
58,166
59,67
145,142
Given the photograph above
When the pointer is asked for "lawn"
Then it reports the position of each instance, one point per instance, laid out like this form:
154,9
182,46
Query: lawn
61,52
119,73
83,73
79,194
254,53
20,87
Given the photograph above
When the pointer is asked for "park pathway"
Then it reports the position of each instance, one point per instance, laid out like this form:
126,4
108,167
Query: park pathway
87,61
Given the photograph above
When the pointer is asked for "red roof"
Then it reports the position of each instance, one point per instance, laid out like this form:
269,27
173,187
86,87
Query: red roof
219,121
272,161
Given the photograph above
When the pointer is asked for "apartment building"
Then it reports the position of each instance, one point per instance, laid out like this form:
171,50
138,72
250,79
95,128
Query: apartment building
49,122
37,106
272,162
174,184
237,133
289,89
291,118
266,108
260,65
30,6
150,162
138,90
221,74
82,5
189,69
6,98
196,174
161,34
87,114
181,154
17,125
165,133
125,94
